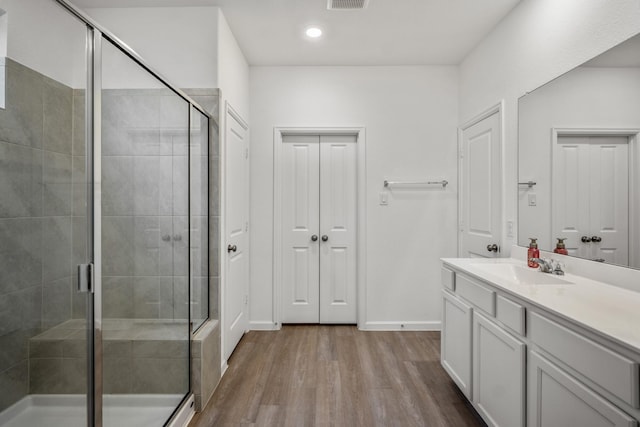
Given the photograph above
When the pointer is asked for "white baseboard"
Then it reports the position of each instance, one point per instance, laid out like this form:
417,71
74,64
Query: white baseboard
223,368
263,326
368,326
401,326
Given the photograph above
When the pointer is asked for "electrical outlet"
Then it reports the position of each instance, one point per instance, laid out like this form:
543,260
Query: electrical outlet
509,228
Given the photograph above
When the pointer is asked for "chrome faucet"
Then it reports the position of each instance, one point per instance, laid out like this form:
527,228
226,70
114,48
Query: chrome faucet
557,270
549,266
545,265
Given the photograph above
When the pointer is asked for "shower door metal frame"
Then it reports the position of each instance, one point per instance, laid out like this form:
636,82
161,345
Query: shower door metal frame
93,132
128,51
94,227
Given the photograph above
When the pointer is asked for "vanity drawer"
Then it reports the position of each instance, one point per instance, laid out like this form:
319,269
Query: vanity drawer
609,370
480,296
448,279
510,314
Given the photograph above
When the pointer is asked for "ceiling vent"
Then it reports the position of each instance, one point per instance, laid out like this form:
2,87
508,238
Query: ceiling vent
347,4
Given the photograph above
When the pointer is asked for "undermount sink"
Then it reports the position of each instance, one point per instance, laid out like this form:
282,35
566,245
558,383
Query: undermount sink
521,275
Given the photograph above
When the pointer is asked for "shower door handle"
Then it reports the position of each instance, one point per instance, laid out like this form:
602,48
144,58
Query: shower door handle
85,278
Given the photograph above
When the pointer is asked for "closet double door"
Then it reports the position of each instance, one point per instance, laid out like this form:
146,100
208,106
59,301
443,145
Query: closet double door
319,185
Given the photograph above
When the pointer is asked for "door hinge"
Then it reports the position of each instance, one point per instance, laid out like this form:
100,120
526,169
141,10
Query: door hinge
246,227
85,278
246,299
246,153
461,153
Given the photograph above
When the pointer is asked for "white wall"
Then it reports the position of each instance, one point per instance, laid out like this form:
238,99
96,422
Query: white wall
587,97
233,70
538,41
45,37
180,43
410,115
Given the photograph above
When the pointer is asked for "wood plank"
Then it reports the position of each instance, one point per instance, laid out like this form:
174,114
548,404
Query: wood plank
319,375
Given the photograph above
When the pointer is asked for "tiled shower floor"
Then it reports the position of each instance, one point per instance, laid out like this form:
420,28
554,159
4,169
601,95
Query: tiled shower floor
70,411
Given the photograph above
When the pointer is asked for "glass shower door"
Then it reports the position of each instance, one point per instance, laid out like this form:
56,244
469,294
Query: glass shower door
44,226
145,244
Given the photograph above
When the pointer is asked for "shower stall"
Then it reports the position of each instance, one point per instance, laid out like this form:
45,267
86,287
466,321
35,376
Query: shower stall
104,226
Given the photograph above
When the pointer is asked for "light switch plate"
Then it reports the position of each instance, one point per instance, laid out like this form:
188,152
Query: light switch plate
533,200
384,198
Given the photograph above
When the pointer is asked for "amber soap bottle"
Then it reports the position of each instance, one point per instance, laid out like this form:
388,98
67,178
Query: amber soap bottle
533,252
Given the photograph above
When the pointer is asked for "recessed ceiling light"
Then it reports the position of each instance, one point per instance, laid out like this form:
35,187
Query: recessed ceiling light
313,32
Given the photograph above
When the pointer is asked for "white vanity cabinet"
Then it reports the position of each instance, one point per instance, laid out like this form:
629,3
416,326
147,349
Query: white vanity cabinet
522,364
455,344
483,359
558,399
498,374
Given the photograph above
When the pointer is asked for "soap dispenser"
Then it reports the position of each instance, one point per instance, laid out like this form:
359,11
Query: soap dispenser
560,247
533,252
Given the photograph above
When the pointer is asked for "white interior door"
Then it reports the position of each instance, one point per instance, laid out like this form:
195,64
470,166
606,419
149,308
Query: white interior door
591,196
300,228
235,316
338,187
480,190
318,190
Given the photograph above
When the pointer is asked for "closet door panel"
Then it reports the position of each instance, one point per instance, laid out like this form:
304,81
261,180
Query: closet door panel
300,222
338,220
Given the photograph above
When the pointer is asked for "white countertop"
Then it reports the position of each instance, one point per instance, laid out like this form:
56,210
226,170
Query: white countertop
607,310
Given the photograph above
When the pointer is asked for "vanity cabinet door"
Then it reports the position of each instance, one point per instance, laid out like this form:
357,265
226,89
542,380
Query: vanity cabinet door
558,399
455,349
498,374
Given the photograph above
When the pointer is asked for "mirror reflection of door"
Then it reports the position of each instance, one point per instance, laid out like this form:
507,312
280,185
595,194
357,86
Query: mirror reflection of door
590,196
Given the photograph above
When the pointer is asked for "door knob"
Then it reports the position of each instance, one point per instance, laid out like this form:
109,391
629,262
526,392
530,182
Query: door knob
492,248
314,238
232,248
585,239
325,237
166,238
596,239
177,237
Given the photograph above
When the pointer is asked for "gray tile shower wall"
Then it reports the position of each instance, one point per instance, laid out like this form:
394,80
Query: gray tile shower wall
145,205
209,99
36,167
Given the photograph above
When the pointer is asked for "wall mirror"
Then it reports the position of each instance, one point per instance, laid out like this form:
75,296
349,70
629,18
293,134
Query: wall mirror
579,159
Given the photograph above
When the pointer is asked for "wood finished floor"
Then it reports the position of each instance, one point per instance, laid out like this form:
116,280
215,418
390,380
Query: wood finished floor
312,375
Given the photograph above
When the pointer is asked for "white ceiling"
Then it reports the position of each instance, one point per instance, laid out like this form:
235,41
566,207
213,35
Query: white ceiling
388,32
